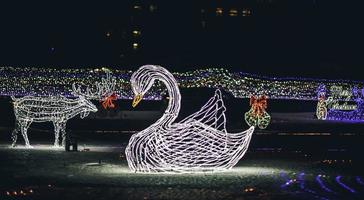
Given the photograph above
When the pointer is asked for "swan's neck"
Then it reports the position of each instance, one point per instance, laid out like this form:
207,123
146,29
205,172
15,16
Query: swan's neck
174,101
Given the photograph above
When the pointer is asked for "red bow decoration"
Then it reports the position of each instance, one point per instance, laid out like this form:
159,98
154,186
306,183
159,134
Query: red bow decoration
258,104
321,97
108,101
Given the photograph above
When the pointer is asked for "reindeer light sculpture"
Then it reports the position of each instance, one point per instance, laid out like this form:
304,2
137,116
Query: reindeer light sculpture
57,109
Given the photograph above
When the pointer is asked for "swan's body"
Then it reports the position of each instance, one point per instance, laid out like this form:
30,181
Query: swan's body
198,143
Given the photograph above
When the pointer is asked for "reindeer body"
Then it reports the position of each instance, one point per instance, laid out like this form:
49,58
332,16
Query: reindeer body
56,109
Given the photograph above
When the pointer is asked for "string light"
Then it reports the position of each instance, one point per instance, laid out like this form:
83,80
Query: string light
257,116
56,109
332,108
199,142
50,82
321,110
41,109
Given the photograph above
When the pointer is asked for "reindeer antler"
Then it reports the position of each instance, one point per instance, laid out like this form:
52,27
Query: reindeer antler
108,85
104,88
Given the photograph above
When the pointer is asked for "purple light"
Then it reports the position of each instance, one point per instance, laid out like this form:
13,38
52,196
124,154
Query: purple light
288,181
321,183
354,116
335,113
343,185
301,180
186,79
358,179
295,78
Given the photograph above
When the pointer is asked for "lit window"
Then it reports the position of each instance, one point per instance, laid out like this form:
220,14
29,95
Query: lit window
219,11
247,12
203,24
136,33
233,12
152,8
135,46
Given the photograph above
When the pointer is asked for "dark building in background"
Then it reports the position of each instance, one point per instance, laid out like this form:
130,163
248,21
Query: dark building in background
195,32
236,34
271,37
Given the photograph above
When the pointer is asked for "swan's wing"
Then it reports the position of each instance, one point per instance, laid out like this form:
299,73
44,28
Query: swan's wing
211,114
195,146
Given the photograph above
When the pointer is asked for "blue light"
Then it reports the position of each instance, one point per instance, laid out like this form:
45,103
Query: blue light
321,183
343,185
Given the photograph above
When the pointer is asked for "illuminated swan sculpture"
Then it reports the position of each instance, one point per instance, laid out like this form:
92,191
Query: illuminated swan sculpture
197,143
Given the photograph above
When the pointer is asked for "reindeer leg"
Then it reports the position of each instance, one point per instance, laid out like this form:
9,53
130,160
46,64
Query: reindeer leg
63,131
24,125
14,134
56,133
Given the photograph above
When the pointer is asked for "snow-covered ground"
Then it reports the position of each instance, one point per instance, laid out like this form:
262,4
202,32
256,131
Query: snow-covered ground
101,172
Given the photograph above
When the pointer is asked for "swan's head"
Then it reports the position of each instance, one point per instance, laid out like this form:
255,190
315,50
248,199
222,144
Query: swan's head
142,80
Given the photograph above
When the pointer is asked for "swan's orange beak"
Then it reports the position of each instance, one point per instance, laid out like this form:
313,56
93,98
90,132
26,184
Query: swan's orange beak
137,99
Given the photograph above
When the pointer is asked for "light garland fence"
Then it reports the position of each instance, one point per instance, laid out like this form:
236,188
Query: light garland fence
52,82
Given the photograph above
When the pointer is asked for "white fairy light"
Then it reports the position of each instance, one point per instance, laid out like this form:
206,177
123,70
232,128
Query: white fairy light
321,109
198,143
104,89
57,109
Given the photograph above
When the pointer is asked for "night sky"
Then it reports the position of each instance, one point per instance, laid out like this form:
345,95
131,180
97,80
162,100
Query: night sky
281,37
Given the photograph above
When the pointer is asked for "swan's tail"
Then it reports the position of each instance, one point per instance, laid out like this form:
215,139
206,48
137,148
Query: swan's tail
246,137
242,141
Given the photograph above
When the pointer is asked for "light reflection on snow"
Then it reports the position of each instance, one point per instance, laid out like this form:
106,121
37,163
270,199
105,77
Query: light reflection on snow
236,171
81,148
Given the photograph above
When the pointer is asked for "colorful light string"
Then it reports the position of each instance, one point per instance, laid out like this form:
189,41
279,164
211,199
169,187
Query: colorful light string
339,106
23,81
257,115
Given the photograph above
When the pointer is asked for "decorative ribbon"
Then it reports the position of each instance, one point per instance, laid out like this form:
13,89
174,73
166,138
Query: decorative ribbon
108,101
258,105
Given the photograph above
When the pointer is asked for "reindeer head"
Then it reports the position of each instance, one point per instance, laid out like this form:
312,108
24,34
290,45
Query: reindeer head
87,106
104,90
